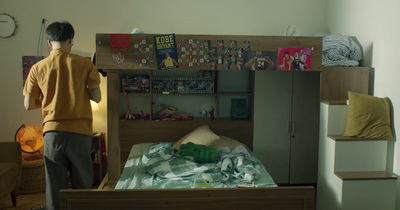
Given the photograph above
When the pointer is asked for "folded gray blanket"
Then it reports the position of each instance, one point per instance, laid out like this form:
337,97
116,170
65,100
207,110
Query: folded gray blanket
339,50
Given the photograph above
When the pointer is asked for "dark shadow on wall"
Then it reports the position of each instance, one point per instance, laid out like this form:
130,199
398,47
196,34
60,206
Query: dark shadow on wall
390,145
367,62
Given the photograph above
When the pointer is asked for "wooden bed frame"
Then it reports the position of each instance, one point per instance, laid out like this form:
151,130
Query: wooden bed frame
279,198
122,135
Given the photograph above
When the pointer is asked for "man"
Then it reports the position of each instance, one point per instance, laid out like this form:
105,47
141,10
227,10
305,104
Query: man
287,62
62,85
168,62
297,61
260,62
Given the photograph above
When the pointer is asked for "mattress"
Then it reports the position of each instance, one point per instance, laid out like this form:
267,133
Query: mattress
158,166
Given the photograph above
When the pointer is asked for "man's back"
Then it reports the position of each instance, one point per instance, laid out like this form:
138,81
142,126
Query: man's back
63,79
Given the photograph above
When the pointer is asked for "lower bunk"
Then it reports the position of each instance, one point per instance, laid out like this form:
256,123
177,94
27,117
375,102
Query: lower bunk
158,176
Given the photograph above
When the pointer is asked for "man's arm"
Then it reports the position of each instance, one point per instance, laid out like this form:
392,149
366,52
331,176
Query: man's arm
32,103
175,63
249,63
95,93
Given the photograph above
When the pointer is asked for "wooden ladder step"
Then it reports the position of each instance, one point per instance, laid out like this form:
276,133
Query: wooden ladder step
350,138
365,175
334,102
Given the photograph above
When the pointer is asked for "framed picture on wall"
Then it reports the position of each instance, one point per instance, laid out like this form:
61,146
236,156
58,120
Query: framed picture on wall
27,63
239,108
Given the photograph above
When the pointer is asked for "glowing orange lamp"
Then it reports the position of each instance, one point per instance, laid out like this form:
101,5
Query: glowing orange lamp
31,139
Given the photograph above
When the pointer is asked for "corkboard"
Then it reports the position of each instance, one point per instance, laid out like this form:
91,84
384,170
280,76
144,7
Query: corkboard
104,58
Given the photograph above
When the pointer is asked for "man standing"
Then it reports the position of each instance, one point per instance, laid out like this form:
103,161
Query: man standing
62,85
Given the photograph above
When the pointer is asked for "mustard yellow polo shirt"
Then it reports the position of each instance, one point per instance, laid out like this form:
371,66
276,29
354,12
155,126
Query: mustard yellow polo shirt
62,79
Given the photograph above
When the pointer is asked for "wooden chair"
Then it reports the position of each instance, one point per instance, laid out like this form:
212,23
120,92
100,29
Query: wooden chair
10,169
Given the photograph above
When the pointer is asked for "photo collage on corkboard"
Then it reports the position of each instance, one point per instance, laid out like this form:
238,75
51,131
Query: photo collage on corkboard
169,52
143,53
224,55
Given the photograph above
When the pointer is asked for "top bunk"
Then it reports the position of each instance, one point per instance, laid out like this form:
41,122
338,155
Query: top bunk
201,52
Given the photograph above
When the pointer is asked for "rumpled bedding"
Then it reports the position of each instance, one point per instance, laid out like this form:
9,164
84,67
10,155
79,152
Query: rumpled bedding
340,50
161,168
164,164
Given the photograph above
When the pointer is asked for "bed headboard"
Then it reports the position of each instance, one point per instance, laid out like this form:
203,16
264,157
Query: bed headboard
143,131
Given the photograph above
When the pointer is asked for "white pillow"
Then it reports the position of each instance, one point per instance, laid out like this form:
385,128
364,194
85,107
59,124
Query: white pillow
201,136
225,141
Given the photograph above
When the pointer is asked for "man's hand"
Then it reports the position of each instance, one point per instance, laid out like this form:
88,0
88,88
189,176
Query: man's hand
32,103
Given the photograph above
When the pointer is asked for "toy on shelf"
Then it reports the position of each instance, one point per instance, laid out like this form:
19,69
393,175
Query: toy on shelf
136,84
204,114
212,113
203,83
128,115
171,113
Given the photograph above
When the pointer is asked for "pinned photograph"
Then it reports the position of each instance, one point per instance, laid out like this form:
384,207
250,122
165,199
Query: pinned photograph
220,44
233,45
246,45
213,64
166,52
294,59
207,44
260,60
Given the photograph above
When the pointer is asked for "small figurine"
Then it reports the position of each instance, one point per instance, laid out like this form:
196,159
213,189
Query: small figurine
212,113
204,113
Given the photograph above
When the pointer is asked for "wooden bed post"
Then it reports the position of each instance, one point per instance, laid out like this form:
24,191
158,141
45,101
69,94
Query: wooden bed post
114,153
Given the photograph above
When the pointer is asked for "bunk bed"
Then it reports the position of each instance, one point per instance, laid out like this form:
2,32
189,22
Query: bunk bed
124,134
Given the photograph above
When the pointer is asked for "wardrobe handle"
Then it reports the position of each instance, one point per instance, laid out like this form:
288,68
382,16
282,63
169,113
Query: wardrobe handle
293,128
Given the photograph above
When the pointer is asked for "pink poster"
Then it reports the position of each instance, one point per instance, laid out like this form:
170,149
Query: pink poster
294,59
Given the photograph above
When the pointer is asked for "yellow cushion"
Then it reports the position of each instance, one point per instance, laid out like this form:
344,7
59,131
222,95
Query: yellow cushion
225,141
200,136
368,117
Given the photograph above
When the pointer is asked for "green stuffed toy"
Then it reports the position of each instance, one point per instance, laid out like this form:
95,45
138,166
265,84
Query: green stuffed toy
200,153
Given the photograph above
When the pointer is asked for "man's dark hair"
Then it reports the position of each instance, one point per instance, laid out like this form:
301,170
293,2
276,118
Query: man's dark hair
60,31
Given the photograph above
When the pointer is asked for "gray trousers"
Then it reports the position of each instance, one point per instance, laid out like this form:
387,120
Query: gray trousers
66,152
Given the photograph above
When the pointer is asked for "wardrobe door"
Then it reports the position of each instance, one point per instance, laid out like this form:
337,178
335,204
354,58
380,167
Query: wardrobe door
305,127
272,114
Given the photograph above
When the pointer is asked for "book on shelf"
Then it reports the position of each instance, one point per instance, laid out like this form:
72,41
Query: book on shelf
239,108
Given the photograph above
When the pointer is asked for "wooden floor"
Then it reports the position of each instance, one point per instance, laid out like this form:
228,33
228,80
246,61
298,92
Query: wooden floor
27,201
24,201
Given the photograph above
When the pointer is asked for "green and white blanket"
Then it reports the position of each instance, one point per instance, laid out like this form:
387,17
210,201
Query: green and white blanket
160,167
162,162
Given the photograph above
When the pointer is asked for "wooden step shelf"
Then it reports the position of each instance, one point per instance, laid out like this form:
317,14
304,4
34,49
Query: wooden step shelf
365,175
351,138
334,102
337,81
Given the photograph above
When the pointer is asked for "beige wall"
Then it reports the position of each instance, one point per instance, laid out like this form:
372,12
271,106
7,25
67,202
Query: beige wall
250,17
375,24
